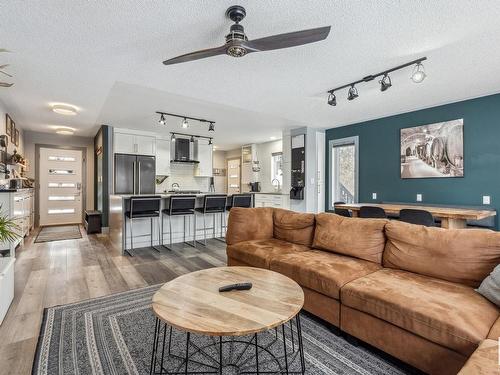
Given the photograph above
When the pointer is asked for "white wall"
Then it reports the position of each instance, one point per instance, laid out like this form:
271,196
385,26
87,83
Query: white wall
219,161
32,138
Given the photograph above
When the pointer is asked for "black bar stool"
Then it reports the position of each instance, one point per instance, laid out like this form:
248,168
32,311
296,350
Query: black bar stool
237,200
341,211
180,205
212,205
372,212
141,207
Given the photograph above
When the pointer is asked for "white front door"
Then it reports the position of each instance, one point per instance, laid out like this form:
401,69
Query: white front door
60,179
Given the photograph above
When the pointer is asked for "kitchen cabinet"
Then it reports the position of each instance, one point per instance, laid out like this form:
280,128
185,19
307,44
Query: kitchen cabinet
272,200
203,152
128,143
163,157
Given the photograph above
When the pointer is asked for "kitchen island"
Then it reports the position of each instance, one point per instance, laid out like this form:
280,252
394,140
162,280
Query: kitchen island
142,228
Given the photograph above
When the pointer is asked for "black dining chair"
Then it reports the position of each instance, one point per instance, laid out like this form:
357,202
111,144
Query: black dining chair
213,204
341,211
372,212
180,205
141,207
414,216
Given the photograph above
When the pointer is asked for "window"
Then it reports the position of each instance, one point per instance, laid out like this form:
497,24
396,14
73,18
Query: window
61,184
62,158
57,211
344,170
61,171
61,198
277,167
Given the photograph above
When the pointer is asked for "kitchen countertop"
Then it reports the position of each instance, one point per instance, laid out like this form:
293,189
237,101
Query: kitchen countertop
14,190
267,193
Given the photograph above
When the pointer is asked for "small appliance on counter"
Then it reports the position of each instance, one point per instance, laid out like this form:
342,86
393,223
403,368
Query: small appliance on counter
254,187
16,183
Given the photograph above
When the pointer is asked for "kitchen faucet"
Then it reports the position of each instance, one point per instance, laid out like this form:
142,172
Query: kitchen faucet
278,181
174,186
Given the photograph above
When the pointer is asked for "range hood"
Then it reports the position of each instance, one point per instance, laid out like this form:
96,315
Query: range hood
182,151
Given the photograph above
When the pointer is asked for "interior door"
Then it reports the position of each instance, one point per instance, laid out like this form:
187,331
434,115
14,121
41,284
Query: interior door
146,172
60,183
233,176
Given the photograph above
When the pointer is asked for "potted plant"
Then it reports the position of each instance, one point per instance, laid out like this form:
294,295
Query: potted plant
7,228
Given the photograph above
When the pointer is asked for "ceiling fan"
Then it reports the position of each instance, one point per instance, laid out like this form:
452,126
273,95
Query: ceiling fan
238,45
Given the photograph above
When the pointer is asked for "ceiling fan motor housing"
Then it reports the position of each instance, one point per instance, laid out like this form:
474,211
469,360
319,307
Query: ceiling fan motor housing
234,38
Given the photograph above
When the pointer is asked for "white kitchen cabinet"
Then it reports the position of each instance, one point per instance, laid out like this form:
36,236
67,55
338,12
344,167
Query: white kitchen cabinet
162,157
128,143
203,152
272,200
6,284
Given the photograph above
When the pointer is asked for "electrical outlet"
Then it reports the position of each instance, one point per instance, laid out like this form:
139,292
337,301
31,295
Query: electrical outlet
419,197
486,199
374,195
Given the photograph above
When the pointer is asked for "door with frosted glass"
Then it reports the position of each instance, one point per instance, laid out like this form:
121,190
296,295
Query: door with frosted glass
344,172
60,182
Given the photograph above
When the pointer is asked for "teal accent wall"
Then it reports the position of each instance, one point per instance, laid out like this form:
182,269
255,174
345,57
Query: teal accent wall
379,160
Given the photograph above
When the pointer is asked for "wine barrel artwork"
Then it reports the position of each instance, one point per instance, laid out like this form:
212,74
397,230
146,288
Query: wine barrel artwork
433,151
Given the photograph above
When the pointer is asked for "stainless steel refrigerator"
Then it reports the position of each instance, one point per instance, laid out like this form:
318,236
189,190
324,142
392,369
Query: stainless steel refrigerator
134,174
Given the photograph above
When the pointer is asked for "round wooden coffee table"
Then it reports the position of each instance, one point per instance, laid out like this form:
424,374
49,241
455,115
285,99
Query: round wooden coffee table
192,304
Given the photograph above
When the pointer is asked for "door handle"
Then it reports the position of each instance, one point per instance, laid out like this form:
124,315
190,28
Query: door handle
139,172
133,176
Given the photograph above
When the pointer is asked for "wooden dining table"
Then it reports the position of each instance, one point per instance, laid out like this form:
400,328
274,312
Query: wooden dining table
451,217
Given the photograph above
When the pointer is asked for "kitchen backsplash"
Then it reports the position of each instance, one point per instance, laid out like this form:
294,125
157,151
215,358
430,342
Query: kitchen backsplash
183,174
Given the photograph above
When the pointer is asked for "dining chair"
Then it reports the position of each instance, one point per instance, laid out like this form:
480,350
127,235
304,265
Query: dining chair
414,216
341,211
372,212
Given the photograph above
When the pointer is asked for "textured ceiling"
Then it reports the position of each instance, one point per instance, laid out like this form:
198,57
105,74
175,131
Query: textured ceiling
105,57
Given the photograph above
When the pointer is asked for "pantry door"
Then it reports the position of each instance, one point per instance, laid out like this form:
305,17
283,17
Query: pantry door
60,183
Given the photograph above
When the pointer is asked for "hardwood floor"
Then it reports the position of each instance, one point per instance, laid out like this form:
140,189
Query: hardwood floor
55,273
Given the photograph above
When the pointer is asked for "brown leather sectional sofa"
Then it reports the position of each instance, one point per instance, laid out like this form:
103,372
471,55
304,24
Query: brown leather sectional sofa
405,289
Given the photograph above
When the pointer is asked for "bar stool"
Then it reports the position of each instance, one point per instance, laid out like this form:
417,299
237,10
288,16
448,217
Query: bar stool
141,207
180,205
237,200
212,205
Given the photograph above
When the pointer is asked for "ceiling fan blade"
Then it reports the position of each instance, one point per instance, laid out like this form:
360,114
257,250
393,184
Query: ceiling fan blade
4,50
204,53
7,74
287,40
5,84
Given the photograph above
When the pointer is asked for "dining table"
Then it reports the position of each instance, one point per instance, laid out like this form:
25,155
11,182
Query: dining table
451,217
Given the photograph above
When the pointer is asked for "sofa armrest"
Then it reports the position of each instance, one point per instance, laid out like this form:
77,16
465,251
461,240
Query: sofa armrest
245,224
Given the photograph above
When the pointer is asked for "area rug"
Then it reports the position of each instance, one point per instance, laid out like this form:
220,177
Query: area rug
58,233
114,335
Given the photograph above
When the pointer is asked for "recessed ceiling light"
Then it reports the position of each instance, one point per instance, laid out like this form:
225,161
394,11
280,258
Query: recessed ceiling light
64,109
65,131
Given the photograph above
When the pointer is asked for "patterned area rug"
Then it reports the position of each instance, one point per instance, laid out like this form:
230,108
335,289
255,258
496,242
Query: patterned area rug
114,335
58,233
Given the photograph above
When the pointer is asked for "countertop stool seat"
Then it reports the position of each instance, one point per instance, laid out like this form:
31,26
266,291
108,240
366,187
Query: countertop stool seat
237,200
142,207
179,205
214,205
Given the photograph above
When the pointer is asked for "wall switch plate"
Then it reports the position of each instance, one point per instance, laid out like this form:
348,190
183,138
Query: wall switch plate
419,197
374,195
486,199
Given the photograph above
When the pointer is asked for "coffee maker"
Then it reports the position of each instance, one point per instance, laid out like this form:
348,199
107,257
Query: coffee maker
254,187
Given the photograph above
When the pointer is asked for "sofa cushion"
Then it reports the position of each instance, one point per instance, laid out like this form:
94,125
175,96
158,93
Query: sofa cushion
246,224
360,238
449,314
322,271
258,253
459,255
484,361
296,227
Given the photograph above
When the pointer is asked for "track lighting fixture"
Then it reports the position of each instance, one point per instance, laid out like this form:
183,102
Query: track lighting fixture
210,141
417,76
173,137
192,139
185,123
353,93
332,99
385,82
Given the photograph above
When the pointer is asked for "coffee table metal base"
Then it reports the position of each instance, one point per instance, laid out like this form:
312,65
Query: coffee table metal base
286,361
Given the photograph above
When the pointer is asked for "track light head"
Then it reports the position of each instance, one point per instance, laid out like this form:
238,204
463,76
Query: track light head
332,99
162,119
353,93
192,139
418,74
172,138
185,123
210,141
385,82
211,127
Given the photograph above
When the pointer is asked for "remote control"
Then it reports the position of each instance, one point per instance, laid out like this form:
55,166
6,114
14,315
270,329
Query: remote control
239,286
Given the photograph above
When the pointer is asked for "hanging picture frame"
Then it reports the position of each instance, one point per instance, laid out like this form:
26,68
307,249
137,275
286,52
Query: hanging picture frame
16,137
8,125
